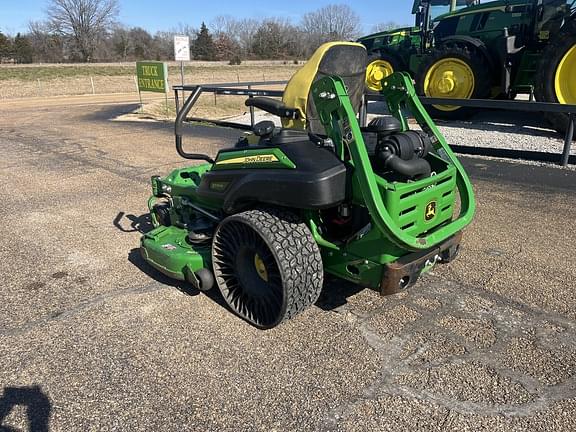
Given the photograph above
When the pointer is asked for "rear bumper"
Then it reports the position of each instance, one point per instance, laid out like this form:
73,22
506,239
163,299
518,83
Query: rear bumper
404,272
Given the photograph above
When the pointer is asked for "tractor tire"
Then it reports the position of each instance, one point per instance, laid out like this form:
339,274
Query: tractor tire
379,66
472,80
267,265
555,80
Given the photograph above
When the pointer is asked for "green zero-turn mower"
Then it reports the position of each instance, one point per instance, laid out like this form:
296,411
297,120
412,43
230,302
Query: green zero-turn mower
266,218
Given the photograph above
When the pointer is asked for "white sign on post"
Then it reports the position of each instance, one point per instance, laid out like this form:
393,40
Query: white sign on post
182,54
181,48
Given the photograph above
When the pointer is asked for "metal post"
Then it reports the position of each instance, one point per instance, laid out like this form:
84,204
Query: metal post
182,78
251,109
363,114
568,140
177,101
166,96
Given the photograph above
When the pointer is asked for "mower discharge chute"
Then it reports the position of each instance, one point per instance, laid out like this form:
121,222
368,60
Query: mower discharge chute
268,217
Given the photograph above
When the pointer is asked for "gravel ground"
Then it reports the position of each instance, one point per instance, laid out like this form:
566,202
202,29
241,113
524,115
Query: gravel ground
93,339
510,130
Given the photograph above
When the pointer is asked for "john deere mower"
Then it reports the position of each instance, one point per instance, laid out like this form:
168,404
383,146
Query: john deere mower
268,217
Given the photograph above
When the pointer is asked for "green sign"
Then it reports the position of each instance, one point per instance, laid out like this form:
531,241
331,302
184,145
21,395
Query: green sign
152,76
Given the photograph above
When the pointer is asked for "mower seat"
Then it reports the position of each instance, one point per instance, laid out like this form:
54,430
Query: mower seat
297,111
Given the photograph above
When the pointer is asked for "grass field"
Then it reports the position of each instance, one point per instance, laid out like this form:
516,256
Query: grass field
55,72
61,80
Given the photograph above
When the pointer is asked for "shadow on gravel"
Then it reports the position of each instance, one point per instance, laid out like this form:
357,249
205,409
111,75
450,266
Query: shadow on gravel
203,130
109,112
335,293
37,405
141,224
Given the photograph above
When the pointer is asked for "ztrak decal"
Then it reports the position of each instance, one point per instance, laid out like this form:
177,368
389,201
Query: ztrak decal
250,160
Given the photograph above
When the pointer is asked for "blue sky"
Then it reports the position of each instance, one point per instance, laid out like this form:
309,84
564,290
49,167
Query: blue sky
155,15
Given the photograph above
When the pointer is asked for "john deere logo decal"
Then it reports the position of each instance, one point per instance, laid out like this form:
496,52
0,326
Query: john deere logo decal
430,211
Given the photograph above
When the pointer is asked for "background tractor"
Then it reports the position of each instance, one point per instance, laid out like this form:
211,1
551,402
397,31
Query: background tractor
483,49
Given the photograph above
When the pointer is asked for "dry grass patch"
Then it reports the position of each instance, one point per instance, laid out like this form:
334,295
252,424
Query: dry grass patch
65,80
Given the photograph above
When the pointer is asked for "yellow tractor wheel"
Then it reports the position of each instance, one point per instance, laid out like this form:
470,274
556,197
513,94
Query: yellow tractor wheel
555,80
454,73
379,67
565,79
451,78
376,72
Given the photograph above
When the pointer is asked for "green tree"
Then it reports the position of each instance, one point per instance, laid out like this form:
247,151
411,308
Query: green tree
121,43
274,39
6,48
142,43
203,47
226,48
23,51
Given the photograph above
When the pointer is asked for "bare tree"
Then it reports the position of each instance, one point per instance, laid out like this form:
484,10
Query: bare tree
385,26
164,43
184,30
330,23
84,21
246,32
121,42
225,25
47,47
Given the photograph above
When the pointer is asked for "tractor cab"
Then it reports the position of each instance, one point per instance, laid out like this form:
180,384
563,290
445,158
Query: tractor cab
435,8
429,13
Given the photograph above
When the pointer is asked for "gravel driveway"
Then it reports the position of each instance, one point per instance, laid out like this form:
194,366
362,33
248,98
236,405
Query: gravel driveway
93,339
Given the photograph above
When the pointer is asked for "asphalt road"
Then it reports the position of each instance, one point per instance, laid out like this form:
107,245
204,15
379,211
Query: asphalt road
92,339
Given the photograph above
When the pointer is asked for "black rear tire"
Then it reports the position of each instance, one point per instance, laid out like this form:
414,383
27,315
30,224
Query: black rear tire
267,265
544,88
479,66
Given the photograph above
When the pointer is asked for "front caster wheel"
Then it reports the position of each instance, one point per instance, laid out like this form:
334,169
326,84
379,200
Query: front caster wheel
267,265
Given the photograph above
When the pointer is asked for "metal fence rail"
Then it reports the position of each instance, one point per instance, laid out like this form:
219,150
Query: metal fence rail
235,89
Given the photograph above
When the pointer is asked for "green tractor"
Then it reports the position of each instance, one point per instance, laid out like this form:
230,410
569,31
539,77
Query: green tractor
465,49
270,215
